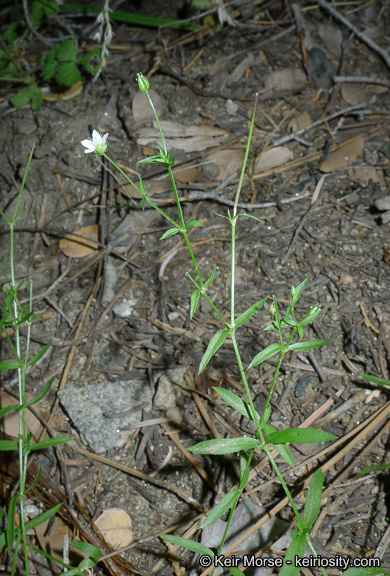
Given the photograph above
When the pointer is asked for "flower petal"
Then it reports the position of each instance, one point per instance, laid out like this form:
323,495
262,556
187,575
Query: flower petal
104,139
96,136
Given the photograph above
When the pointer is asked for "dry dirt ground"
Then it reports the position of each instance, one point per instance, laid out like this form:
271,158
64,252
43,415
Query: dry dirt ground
118,317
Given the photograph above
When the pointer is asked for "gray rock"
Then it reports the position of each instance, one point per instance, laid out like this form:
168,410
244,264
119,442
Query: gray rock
90,406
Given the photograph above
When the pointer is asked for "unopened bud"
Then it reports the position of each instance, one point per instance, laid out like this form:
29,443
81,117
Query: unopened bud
143,83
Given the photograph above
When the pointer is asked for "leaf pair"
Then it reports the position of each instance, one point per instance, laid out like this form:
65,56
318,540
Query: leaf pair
219,337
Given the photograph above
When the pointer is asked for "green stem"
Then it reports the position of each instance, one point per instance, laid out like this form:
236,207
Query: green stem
138,190
158,122
176,197
245,381
285,487
313,551
245,157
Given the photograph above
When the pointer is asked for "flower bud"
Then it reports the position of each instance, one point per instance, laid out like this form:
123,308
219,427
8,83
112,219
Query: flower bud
143,83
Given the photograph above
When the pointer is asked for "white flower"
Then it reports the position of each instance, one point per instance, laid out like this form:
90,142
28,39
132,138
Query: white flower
98,143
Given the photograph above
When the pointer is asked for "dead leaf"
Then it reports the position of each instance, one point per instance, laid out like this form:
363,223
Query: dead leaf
142,111
365,174
193,138
228,162
188,175
354,93
332,37
72,92
53,543
344,155
272,158
287,79
299,122
10,423
78,247
115,526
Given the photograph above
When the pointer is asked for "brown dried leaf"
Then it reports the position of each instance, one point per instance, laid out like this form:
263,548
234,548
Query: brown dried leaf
287,79
185,138
354,93
272,158
332,37
298,122
53,543
344,155
228,162
78,247
10,423
115,525
142,111
72,92
188,175
365,174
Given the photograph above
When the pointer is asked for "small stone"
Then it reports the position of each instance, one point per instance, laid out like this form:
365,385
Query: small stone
124,309
303,385
231,107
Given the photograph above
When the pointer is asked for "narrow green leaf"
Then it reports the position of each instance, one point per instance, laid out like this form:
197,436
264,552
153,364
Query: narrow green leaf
373,469
6,445
189,545
224,445
88,549
208,282
250,216
170,232
192,280
194,302
235,402
221,216
296,548
246,315
376,380
313,500
10,365
50,442
282,449
2,540
296,292
33,483
311,317
42,394
365,572
7,409
10,530
300,436
235,571
215,343
244,470
285,453
299,346
219,510
262,356
39,355
266,416
193,223
38,520
300,332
